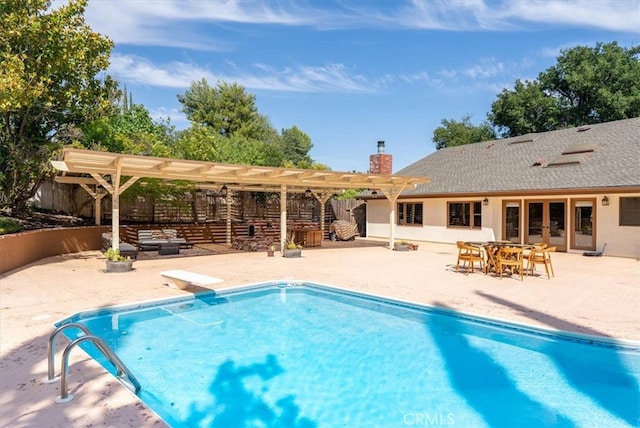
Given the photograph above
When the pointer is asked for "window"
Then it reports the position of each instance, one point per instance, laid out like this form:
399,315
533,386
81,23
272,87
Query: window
465,214
410,213
630,211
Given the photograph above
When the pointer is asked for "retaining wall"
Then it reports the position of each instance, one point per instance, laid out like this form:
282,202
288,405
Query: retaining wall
19,249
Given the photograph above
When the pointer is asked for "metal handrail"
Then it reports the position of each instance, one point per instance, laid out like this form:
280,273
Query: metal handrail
51,377
131,383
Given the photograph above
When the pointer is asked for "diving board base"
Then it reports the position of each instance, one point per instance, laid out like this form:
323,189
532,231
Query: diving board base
182,279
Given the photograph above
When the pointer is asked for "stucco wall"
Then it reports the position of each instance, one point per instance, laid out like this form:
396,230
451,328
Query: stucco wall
622,241
19,249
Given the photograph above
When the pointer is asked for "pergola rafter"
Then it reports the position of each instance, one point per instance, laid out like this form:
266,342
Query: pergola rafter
321,183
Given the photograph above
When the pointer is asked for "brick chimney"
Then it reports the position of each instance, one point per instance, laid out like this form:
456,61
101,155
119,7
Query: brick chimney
381,163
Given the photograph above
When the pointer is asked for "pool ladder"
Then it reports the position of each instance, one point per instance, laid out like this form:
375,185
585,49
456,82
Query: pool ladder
123,374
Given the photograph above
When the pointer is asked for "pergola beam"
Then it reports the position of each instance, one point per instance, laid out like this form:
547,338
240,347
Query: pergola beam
237,177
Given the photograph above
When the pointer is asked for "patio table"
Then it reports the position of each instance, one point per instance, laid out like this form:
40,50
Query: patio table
492,248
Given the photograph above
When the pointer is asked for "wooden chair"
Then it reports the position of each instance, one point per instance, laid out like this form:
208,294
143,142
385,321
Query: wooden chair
510,257
541,256
471,255
492,258
536,245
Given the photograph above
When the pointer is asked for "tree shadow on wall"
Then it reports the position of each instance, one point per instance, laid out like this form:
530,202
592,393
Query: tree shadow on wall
236,405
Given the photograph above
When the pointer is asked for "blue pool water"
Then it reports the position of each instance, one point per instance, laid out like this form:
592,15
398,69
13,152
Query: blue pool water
308,355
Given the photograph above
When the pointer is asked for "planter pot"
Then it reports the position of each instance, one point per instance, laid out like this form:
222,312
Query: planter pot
119,266
270,253
401,247
292,253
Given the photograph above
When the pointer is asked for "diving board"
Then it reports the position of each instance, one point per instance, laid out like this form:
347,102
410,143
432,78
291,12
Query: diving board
182,279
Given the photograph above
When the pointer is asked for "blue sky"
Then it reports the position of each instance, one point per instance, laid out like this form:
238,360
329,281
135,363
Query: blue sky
351,72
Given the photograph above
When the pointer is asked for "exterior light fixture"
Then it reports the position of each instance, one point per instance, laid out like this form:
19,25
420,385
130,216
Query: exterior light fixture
308,193
224,191
605,201
485,201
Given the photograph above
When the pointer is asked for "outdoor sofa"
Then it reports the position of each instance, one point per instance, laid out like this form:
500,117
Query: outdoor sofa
153,239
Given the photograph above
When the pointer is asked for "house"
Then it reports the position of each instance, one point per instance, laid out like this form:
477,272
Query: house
575,189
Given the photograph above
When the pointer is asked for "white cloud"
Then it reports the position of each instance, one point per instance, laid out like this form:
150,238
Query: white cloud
329,78
613,15
488,67
187,23
504,15
141,71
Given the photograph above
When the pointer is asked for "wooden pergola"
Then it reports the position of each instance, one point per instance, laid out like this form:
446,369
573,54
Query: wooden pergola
107,170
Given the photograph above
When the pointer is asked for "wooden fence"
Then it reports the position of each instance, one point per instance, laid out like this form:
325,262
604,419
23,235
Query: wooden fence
198,207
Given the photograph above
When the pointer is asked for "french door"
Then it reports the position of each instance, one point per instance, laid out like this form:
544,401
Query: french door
546,222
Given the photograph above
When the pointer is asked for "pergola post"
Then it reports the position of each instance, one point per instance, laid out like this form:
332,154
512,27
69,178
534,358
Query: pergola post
97,200
392,196
228,200
283,216
392,225
322,198
116,190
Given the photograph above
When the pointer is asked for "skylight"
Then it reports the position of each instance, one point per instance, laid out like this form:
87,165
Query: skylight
526,138
580,148
567,159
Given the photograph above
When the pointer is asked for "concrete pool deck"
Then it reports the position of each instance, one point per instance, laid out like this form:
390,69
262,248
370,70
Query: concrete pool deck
589,295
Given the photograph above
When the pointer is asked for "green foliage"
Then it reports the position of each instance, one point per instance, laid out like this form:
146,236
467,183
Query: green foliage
453,133
8,225
349,194
595,85
296,146
197,143
129,130
587,85
228,109
524,110
49,83
227,127
114,255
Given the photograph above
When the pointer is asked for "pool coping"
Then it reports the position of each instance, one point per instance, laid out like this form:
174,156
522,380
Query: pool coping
616,343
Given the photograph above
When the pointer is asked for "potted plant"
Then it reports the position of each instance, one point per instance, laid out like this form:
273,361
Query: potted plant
116,262
270,250
291,249
401,246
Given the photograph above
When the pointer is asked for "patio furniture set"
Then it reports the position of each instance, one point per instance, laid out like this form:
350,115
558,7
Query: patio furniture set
165,241
501,256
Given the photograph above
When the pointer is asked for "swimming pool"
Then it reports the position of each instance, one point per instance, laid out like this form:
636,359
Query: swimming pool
312,355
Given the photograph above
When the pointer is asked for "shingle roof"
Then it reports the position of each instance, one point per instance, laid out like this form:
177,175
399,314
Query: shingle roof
508,165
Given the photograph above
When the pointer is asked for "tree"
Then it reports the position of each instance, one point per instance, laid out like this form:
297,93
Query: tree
49,83
595,85
453,133
228,109
130,129
296,146
524,110
587,85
